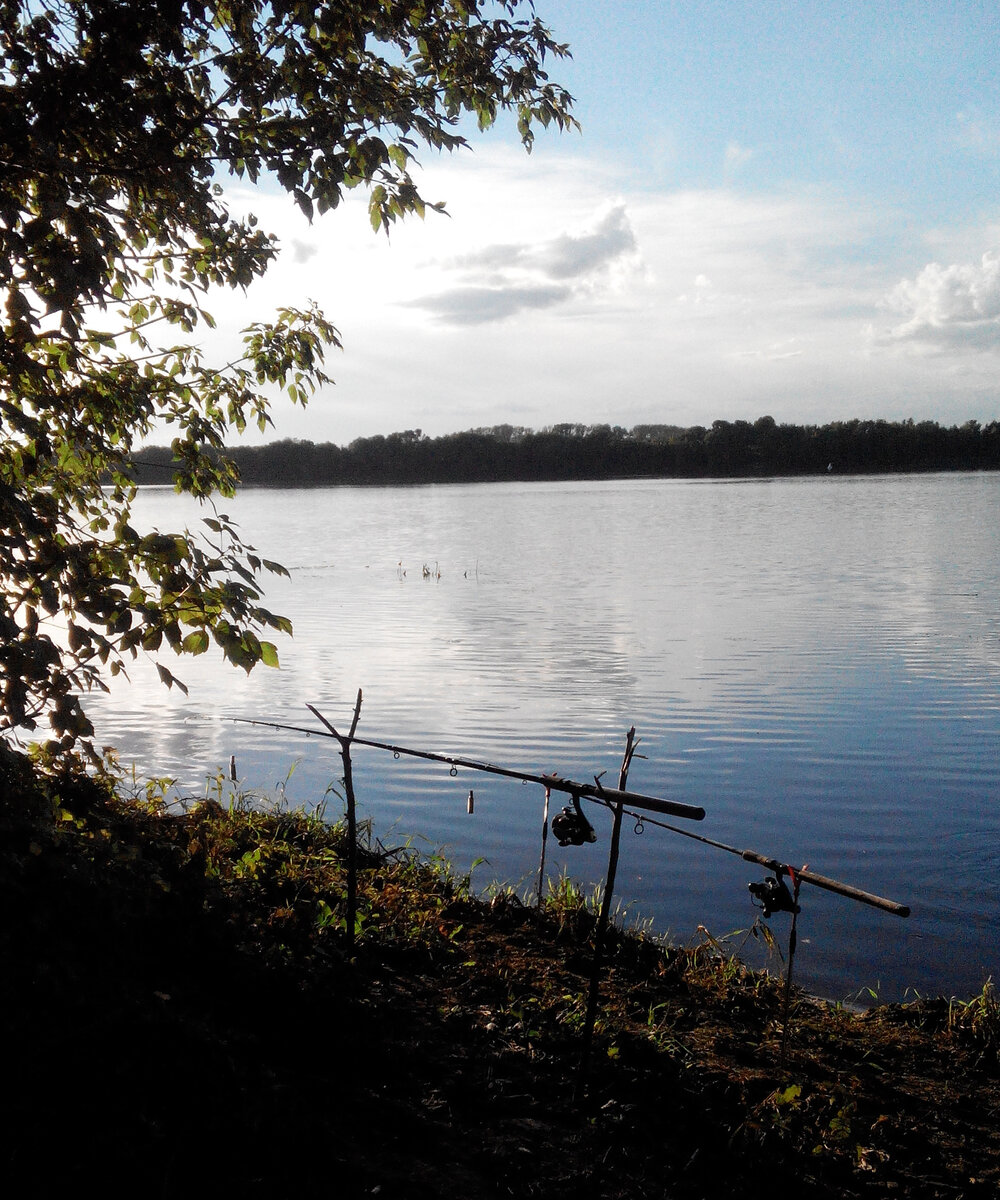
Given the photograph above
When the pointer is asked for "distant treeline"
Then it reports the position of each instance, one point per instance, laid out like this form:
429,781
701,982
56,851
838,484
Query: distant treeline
510,452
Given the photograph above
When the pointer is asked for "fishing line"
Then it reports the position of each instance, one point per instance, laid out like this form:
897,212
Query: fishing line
780,868
589,791
608,797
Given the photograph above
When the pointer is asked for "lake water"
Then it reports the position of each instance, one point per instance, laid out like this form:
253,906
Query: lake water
816,662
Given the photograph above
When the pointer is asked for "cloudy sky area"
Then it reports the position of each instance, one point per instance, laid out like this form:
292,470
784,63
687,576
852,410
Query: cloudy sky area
784,208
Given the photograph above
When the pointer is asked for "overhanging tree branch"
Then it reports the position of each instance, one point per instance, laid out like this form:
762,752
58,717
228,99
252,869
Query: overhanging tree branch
114,120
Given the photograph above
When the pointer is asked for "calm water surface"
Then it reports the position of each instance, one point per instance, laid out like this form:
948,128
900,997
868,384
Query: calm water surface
815,661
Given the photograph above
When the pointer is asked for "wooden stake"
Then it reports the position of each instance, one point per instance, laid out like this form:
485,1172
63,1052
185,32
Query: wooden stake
609,796
587,791
352,821
545,834
602,921
792,938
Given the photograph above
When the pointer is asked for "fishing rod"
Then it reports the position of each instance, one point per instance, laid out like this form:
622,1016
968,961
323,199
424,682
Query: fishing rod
590,791
780,868
607,796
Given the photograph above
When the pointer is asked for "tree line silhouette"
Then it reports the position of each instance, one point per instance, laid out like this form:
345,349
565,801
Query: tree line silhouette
572,451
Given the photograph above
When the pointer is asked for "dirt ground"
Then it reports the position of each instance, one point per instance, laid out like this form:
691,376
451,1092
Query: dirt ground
184,1013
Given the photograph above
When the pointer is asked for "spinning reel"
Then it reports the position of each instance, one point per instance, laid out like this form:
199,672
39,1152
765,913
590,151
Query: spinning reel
773,895
570,827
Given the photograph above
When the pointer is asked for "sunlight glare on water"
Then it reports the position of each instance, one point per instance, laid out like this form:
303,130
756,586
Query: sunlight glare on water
815,661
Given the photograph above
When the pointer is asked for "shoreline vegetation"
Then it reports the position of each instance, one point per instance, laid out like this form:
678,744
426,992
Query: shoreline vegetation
510,453
183,1006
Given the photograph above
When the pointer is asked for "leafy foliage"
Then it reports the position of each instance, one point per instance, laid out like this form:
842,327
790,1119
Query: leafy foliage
507,452
117,122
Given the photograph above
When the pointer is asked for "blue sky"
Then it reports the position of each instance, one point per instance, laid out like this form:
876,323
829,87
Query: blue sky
784,208
893,102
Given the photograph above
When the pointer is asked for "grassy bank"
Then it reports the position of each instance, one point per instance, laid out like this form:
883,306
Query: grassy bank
182,1012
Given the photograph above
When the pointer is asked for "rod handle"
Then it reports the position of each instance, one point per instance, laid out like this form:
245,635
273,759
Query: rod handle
669,808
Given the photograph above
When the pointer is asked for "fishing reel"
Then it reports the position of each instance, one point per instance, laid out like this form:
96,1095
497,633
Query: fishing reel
570,827
773,895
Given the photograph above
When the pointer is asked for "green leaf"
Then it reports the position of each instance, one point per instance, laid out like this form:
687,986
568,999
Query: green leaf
112,205
196,642
151,641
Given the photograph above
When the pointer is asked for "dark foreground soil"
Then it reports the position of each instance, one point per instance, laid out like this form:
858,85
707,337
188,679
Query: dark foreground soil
183,1014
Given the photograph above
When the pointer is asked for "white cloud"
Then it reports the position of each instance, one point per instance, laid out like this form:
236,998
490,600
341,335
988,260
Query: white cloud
503,279
302,251
572,255
560,290
774,353
954,307
479,305
737,157
977,133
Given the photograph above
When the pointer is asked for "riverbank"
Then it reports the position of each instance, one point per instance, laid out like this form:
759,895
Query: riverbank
183,1011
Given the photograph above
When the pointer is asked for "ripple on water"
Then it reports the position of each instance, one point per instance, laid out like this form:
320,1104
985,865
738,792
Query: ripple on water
810,661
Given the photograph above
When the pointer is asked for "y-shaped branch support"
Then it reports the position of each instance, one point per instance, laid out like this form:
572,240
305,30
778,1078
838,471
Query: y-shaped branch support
352,819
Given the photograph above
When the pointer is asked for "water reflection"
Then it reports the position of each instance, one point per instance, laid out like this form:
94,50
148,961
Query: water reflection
813,661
